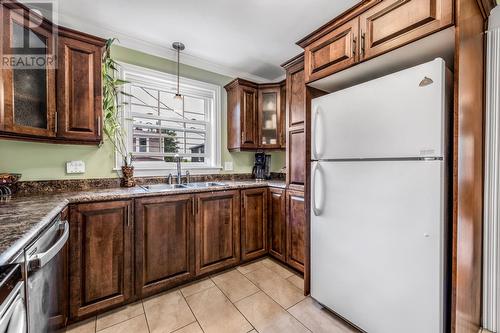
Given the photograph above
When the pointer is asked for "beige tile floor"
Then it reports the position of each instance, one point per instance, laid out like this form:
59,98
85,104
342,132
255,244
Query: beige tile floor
262,296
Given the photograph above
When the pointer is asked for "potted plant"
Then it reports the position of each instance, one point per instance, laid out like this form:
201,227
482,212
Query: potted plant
112,128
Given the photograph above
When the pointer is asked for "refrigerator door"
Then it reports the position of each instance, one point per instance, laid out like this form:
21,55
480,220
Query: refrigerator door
377,242
396,116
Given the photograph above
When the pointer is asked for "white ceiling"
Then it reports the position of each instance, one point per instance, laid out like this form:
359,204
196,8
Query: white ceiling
233,37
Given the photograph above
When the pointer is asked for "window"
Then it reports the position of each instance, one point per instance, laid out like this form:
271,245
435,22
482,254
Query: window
156,132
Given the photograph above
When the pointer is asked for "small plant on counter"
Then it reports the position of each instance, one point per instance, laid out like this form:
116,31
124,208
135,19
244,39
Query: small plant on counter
112,107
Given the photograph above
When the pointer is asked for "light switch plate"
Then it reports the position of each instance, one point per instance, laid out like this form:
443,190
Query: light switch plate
228,166
75,167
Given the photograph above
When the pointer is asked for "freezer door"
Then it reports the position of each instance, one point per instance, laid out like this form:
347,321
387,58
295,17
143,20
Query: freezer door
377,243
399,115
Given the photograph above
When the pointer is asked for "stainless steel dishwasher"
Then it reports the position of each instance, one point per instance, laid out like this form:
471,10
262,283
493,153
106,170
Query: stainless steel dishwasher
46,260
12,301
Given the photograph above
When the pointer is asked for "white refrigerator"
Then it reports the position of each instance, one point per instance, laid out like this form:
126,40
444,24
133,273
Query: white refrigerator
378,201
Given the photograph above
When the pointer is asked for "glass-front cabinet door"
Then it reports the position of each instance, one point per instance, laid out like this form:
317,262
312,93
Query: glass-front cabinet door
28,74
269,117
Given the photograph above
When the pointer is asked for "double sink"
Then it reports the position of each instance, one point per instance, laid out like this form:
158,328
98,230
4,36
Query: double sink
167,187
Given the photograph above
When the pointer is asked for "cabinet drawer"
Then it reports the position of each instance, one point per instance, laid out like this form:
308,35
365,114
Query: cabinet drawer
333,52
394,23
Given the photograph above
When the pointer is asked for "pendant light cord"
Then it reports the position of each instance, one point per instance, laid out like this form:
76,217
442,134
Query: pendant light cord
178,57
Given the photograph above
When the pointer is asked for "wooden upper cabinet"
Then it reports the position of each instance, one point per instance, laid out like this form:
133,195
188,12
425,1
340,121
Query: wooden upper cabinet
242,104
295,231
29,89
164,242
79,100
333,52
58,96
296,94
249,133
269,116
394,23
255,116
277,224
217,230
101,256
369,29
253,223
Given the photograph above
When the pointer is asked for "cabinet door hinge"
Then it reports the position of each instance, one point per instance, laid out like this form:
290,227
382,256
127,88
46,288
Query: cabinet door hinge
362,53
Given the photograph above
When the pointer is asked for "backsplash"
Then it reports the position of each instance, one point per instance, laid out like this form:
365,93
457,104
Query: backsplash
68,185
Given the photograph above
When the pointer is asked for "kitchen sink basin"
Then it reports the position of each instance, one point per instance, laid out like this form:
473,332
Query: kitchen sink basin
163,187
204,184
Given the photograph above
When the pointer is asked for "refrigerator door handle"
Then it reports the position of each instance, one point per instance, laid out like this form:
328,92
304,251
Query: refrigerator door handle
316,210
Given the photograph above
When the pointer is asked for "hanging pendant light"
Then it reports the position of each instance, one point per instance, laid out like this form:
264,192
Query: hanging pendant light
178,100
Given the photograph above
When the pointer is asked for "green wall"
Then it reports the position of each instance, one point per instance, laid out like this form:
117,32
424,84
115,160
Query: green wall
42,161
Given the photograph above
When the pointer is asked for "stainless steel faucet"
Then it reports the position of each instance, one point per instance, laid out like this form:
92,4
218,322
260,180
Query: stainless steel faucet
179,171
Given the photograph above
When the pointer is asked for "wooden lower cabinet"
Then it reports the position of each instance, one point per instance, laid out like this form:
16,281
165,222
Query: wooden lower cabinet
295,231
253,223
101,256
217,231
164,242
120,251
277,223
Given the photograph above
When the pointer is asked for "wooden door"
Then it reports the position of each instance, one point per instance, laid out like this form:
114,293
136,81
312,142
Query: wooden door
296,94
277,223
295,231
101,256
29,90
297,158
249,119
217,230
333,52
394,23
164,242
79,100
253,223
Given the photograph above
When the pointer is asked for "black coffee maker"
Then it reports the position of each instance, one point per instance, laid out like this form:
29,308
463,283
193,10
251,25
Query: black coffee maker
261,167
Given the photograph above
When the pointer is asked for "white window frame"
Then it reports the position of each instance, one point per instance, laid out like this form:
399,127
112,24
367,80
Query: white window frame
159,80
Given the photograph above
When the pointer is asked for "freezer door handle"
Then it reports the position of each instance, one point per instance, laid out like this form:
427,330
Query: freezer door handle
317,210
314,138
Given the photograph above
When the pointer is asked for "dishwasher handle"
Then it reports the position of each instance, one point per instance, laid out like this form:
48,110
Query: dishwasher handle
41,259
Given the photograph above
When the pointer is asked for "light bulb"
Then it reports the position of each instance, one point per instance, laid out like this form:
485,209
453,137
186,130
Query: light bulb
178,103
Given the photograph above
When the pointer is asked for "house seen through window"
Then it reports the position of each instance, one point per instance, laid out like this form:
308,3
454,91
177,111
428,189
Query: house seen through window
158,130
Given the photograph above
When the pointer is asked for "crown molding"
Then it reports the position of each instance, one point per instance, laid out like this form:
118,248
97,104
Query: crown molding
154,49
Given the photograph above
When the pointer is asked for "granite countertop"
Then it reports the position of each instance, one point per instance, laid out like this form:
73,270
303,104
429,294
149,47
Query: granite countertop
22,218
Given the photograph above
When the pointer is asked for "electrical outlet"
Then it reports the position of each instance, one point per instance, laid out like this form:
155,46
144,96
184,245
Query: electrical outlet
75,167
228,166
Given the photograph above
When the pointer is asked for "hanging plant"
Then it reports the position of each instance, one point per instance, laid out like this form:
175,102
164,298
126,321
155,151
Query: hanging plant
112,108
